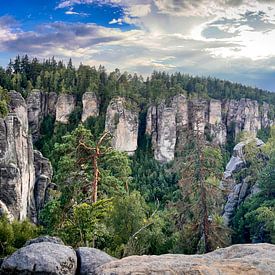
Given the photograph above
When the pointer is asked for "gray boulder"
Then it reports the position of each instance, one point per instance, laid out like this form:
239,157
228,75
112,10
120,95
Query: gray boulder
91,258
43,239
41,258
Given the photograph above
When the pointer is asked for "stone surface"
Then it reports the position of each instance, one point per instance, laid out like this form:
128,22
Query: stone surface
43,239
91,258
90,106
43,177
17,169
39,104
17,176
41,258
122,123
64,107
238,259
236,191
214,118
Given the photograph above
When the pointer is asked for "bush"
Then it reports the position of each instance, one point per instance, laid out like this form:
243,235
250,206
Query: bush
13,235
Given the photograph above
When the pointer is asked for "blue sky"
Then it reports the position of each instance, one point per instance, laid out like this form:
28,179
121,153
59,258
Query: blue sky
229,39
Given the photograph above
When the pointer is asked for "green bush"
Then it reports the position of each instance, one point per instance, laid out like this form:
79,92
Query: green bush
13,235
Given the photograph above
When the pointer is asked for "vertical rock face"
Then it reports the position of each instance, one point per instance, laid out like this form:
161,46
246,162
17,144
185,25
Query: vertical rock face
43,176
167,122
17,175
64,107
216,125
166,138
237,191
90,106
39,104
37,108
243,115
17,171
122,123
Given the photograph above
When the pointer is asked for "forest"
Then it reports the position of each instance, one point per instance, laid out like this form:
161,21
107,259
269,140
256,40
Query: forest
134,205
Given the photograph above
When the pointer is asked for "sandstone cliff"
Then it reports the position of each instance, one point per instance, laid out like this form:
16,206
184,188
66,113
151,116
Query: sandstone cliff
122,122
90,106
39,104
64,107
18,176
167,121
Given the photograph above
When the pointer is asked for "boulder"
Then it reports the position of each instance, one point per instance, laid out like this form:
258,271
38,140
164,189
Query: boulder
41,258
91,258
237,259
90,106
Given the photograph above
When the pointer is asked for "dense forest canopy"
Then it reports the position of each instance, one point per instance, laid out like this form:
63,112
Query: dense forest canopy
23,74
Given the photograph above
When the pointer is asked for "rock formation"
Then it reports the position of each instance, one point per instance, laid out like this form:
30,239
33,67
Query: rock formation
41,258
237,191
48,255
237,259
89,259
64,107
39,104
90,106
17,169
122,122
167,121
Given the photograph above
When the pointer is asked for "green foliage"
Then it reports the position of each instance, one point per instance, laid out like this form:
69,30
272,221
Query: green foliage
72,215
4,100
14,235
137,230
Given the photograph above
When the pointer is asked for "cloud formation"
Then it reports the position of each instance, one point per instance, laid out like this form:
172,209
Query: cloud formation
231,39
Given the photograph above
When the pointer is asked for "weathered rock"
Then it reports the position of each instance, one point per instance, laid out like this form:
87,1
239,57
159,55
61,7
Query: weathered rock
90,106
243,115
37,109
41,258
237,259
216,125
197,114
44,239
91,258
52,100
17,171
166,138
122,123
64,107
17,175
164,123
43,177
237,191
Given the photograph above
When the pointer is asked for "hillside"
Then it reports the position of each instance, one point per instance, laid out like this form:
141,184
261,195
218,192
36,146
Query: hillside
170,164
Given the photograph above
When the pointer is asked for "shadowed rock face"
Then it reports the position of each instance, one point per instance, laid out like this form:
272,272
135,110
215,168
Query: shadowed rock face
236,259
122,123
17,170
90,106
237,191
39,104
64,107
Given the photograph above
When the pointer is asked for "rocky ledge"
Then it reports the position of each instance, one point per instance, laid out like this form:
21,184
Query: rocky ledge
48,255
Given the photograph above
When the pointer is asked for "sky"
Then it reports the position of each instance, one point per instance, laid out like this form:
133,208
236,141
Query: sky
227,39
